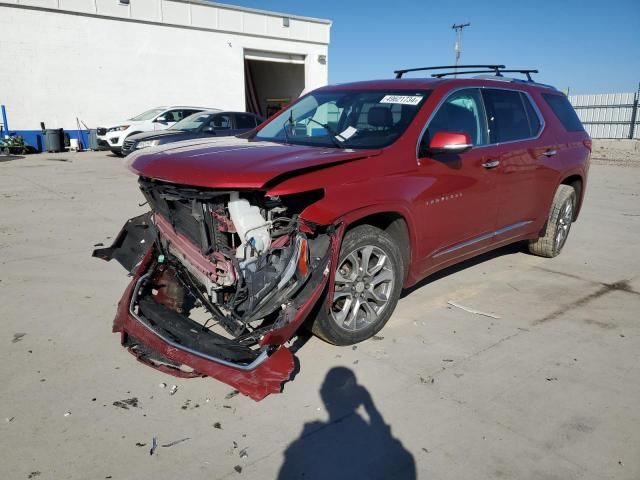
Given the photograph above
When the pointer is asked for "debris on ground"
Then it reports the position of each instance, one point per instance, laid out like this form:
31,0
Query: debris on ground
355,347
243,453
126,403
17,337
171,444
355,362
163,385
472,310
67,413
138,444
551,379
99,244
186,404
429,379
238,468
9,419
154,445
34,474
231,394
174,389
425,450
217,425
377,337
447,360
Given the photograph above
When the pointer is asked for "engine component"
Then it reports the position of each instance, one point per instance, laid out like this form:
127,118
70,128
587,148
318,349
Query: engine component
251,226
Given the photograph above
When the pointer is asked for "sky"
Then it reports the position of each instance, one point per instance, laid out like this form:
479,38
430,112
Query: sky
586,45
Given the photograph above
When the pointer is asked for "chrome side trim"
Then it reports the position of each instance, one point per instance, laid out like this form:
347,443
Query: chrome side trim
543,124
481,238
238,366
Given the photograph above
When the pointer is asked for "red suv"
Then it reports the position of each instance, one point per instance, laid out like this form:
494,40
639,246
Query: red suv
330,208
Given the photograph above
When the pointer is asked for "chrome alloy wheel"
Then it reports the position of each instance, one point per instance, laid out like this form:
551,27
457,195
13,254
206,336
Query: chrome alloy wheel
564,224
364,281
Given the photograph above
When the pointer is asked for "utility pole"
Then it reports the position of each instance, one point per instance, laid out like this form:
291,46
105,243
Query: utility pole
458,45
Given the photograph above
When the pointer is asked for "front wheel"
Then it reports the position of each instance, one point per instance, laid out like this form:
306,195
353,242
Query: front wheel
368,282
558,225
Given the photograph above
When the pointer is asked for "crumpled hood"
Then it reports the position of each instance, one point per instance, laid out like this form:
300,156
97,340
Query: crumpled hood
234,162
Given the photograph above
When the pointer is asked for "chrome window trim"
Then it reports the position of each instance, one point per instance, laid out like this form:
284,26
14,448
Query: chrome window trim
543,124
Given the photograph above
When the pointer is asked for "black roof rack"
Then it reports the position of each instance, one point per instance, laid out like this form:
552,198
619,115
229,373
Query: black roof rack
494,68
497,72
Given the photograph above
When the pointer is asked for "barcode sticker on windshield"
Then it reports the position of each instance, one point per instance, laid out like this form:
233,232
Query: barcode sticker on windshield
402,99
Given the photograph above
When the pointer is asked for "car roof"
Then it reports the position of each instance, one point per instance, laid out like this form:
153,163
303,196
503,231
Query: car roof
212,111
169,107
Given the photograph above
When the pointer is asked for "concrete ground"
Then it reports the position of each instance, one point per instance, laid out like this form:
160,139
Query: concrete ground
550,390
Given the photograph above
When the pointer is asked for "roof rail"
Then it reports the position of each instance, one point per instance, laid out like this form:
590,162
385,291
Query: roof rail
497,72
494,68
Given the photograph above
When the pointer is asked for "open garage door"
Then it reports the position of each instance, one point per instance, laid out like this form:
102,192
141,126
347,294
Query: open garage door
272,80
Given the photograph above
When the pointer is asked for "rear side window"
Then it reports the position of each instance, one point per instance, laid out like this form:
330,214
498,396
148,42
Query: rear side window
564,111
510,116
244,120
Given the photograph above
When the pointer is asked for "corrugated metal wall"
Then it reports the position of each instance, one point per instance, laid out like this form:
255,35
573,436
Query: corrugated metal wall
608,115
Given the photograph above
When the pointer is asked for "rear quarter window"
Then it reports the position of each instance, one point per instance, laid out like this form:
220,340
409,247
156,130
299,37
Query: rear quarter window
564,112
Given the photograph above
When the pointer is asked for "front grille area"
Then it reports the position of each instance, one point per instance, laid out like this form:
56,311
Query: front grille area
189,211
127,146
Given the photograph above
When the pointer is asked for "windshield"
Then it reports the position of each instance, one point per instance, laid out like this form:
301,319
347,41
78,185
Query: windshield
149,114
192,122
346,119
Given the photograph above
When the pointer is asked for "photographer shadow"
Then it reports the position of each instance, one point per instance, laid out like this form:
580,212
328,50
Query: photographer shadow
347,446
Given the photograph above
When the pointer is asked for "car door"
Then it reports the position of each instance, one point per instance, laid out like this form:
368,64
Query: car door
515,125
458,210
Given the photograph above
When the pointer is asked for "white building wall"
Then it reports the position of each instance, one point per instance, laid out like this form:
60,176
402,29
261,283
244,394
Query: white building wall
101,61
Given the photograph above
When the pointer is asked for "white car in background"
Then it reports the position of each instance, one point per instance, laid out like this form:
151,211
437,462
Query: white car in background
159,118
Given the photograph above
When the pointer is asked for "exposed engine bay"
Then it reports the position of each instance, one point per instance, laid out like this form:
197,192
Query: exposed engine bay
220,274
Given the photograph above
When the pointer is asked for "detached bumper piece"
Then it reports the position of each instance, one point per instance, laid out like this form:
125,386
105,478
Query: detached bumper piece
156,321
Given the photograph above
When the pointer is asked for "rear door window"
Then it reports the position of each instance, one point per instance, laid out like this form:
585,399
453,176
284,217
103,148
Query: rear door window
508,116
564,111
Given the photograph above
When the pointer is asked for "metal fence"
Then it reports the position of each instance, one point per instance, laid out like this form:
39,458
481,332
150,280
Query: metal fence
609,115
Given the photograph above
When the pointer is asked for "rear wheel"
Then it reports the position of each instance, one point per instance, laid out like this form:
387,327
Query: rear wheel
368,282
558,224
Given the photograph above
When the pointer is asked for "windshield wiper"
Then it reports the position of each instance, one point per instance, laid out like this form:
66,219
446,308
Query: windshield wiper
333,135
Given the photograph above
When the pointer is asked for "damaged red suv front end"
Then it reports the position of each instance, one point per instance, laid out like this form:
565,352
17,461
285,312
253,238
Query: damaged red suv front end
222,278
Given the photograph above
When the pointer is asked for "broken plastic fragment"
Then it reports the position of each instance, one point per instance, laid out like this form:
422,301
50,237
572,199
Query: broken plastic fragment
67,413
171,444
472,310
154,445
231,394
243,453
174,389
17,337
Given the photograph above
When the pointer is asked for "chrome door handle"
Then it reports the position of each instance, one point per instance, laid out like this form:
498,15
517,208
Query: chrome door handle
491,164
550,153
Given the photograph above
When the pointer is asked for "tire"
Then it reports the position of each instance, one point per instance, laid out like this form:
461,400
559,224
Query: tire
558,225
363,303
